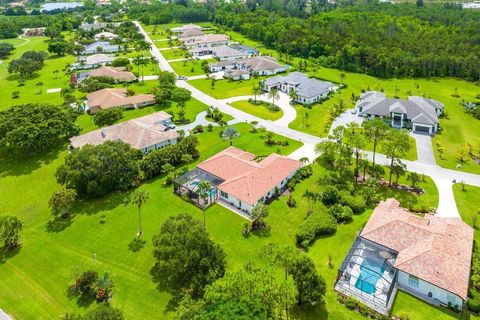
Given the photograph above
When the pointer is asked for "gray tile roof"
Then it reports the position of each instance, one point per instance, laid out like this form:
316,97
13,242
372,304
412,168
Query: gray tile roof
305,86
417,109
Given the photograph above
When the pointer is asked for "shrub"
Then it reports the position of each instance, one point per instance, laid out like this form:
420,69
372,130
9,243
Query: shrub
356,203
85,284
341,213
121,62
330,195
315,225
291,202
198,129
107,117
473,302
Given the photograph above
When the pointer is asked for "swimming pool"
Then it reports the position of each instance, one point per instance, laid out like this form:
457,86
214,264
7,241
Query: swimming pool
212,192
370,272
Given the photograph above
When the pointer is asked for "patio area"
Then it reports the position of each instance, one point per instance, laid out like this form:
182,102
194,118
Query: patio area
367,274
188,186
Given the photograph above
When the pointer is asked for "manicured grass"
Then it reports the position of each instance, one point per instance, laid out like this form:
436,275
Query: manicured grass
459,128
29,92
172,54
226,88
190,67
258,110
468,204
409,307
193,107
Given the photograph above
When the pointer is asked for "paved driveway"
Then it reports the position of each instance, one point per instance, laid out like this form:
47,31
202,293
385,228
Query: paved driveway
345,118
424,148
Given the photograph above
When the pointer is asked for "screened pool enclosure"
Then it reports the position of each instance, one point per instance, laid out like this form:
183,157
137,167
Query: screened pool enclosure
368,275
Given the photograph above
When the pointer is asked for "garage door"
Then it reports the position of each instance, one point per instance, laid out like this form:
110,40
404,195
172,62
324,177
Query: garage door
420,128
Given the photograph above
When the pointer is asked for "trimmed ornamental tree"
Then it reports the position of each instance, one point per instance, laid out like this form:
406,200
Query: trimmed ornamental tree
10,227
61,201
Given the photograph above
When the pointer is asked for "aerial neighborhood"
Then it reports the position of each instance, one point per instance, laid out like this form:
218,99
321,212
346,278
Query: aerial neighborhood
237,160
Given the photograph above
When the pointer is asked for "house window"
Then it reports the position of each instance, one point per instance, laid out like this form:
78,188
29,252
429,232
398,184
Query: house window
224,194
413,281
451,298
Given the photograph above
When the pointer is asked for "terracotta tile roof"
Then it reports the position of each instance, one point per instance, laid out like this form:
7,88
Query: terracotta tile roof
437,250
117,73
138,133
111,98
246,179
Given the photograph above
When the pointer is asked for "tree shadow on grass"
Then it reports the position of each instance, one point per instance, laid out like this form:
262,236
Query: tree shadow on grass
17,164
159,279
407,199
316,312
7,254
136,245
88,207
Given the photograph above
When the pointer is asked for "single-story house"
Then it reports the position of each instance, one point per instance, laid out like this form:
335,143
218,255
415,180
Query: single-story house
261,65
100,46
105,36
417,113
92,26
190,33
145,133
117,98
426,256
238,181
205,41
93,61
308,90
117,73
186,27
237,74
221,53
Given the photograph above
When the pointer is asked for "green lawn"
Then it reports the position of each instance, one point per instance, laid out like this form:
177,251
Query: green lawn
409,307
189,67
258,110
29,92
459,128
226,88
172,54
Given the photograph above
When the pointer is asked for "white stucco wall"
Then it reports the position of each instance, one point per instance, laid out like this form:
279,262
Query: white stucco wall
426,287
159,145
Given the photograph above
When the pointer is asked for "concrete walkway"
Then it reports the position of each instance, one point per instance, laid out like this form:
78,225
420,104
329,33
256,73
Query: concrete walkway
424,148
442,177
4,316
169,48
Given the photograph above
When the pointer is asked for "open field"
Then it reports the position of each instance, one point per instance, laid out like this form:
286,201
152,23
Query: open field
172,54
226,88
190,67
258,110
29,92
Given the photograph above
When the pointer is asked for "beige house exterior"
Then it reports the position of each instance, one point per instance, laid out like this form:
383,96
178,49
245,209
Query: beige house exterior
117,98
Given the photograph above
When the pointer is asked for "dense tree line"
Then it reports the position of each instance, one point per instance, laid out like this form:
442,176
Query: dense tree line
159,13
11,27
383,43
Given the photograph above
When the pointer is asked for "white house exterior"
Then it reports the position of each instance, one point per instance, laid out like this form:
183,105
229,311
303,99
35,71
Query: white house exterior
260,65
308,90
426,256
99,47
146,133
205,41
417,113
238,182
93,61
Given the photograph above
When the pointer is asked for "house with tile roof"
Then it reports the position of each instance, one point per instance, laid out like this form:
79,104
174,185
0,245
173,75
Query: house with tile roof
188,33
146,133
93,61
117,98
308,90
99,47
119,74
204,41
105,36
260,65
186,27
426,256
416,113
237,180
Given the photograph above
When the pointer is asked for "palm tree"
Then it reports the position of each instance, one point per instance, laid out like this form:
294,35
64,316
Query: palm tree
204,193
39,85
293,95
256,90
105,287
342,77
274,95
229,134
137,61
10,227
187,158
153,62
414,179
139,198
